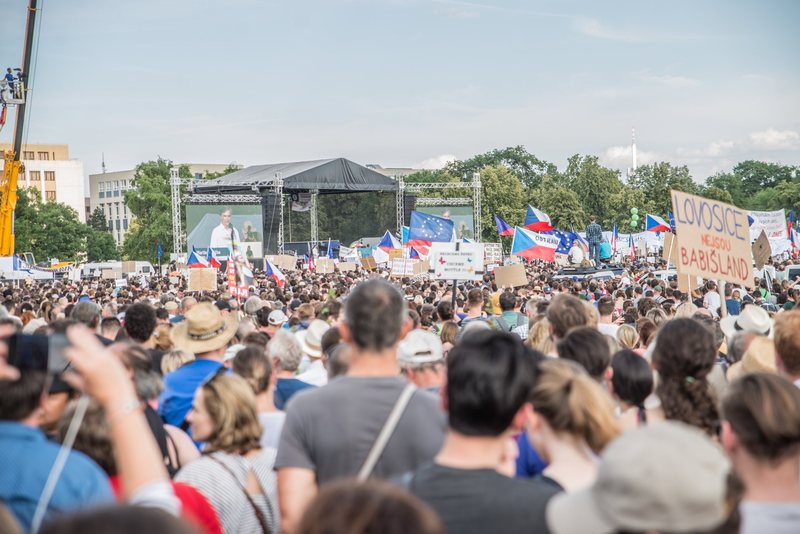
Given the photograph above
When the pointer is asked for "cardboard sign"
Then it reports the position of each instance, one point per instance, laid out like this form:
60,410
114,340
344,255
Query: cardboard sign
670,252
458,265
421,267
761,250
128,266
110,274
284,262
402,267
347,266
369,263
120,282
510,276
685,283
641,248
202,279
493,253
395,253
714,239
174,280
325,266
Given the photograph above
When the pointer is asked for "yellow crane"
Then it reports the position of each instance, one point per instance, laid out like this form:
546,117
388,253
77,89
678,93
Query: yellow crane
14,95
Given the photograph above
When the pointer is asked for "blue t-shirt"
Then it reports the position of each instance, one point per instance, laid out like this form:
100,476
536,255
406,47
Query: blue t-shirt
179,388
26,457
734,307
285,388
529,463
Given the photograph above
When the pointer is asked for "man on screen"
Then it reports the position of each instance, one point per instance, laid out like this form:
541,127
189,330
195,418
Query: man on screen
221,235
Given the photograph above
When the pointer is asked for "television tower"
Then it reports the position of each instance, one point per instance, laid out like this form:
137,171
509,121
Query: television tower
633,148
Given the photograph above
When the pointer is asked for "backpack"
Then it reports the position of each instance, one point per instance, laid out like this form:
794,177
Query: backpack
505,327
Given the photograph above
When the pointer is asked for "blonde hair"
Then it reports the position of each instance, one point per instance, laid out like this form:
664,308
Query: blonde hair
162,339
572,402
231,404
657,316
592,315
627,336
539,337
685,310
174,359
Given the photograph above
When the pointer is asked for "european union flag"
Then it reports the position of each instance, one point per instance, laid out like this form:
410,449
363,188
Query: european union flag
430,228
160,252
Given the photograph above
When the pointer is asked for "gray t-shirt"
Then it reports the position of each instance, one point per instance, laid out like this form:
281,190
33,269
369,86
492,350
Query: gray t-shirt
770,517
330,430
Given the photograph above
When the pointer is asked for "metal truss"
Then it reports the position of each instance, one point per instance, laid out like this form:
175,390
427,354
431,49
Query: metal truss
177,227
223,199
475,185
448,201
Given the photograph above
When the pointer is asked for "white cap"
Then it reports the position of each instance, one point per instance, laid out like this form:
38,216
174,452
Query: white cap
418,348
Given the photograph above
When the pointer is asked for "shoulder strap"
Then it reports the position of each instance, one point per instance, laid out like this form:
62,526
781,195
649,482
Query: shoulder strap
386,432
502,324
256,510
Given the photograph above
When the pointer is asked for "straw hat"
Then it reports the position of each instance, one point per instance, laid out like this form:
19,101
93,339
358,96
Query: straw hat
204,330
752,319
311,338
758,358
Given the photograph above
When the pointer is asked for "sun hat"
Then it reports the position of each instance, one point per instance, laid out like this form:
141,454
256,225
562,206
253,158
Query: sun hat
252,305
665,477
171,306
230,352
277,318
752,319
311,338
758,358
418,348
204,329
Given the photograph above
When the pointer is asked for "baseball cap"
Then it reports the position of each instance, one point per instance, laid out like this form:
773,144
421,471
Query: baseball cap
294,304
420,347
277,317
667,477
222,305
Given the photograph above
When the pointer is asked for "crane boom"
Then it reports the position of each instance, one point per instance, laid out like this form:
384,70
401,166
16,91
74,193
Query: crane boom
12,164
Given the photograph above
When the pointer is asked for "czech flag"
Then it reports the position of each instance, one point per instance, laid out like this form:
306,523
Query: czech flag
503,228
537,220
195,261
414,254
534,246
212,260
654,223
275,273
388,242
312,266
614,238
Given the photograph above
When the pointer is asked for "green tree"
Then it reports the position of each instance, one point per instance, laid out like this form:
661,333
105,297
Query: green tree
731,183
502,194
560,203
785,195
48,229
759,175
656,181
211,175
717,193
97,220
150,201
100,246
594,186
619,208
525,165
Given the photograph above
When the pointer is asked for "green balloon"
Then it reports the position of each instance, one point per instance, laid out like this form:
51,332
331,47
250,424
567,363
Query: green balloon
634,218
634,211
633,224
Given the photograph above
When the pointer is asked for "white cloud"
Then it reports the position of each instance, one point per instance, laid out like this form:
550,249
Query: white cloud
772,139
594,28
712,150
620,157
436,162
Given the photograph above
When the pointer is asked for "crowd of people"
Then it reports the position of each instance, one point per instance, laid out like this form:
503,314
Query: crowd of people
361,403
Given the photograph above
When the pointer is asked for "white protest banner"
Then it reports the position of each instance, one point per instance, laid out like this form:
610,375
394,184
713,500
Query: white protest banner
714,240
773,223
466,263
402,267
493,253
121,282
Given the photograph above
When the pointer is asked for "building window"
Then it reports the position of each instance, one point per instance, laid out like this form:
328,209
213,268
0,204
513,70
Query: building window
36,176
49,176
27,154
102,194
117,222
125,223
116,192
124,184
110,226
50,195
44,156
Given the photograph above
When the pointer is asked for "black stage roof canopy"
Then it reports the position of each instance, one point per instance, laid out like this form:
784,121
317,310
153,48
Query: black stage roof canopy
325,175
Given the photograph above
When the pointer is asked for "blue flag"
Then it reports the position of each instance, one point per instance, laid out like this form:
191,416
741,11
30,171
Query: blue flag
430,228
160,252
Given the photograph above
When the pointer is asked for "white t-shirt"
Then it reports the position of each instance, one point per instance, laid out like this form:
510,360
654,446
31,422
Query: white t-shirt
712,302
576,255
608,329
221,237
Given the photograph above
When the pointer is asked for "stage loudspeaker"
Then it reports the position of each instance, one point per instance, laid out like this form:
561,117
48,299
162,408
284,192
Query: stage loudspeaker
409,204
271,215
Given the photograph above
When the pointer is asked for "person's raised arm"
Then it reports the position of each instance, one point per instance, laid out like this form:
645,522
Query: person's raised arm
101,374
297,486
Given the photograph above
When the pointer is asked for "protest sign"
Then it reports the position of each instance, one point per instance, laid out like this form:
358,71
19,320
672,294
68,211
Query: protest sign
110,274
174,280
202,279
685,284
761,250
347,266
395,253
466,263
402,267
284,262
128,266
121,282
510,276
493,253
421,268
670,252
369,263
325,265
773,223
714,239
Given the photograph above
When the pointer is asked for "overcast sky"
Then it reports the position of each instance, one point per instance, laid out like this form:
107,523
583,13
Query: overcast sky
412,82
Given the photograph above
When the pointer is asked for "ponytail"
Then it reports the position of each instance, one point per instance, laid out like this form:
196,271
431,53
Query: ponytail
572,402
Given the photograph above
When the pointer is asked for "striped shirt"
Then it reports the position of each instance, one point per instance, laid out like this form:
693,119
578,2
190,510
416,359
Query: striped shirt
226,495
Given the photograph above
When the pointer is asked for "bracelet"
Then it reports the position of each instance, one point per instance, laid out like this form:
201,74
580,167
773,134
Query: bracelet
124,408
